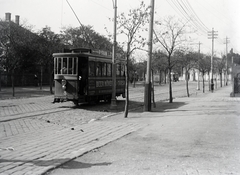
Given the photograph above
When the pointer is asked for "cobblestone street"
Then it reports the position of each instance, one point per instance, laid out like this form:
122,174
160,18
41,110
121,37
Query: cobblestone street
37,135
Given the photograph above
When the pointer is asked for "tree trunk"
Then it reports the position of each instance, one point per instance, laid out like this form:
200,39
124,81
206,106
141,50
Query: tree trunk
221,79
41,77
51,79
216,82
187,87
203,83
154,104
134,80
160,77
0,81
209,83
13,88
127,92
165,76
170,86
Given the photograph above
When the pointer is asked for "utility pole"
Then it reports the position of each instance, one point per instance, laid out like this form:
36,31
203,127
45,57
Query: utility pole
212,35
113,100
198,83
148,86
227,41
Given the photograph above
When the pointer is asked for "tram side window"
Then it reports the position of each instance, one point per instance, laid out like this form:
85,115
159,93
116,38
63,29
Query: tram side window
91,69
70,66
75,65
98,69
109,70
118,70
104,69
122,69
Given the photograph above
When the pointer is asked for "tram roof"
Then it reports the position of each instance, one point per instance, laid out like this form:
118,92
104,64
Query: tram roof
81,55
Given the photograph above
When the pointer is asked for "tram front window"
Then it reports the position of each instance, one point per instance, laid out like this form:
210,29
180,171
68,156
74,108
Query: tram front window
64,69
66,65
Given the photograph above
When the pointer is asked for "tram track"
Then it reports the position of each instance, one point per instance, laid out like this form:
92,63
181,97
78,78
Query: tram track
40,113
89,112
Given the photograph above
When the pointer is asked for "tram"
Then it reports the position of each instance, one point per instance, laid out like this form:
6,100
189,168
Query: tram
82,75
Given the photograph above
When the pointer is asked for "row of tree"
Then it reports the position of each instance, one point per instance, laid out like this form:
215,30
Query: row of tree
22,50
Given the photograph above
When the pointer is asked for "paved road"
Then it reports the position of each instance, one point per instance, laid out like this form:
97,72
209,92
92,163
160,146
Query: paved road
37,135
198,136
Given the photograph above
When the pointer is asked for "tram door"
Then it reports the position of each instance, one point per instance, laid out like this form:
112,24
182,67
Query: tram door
82,75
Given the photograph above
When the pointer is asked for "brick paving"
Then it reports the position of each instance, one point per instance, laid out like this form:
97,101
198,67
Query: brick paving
54,133
14,108
48,147
36,135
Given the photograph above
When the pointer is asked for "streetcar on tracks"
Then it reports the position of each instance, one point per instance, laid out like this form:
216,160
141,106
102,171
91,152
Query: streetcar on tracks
82,75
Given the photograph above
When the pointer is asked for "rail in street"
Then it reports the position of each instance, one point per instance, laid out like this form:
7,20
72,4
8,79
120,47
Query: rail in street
34,132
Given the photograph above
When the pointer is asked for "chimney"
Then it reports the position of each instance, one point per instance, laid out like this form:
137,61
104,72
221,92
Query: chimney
8,17
17,19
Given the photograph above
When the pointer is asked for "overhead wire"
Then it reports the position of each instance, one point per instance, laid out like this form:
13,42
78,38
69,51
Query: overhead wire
87,34
179,8
191,17
198,19
217,16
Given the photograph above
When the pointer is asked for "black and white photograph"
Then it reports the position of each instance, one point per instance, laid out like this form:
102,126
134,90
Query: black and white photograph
119,87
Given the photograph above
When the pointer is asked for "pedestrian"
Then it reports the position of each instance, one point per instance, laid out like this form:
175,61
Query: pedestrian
36,79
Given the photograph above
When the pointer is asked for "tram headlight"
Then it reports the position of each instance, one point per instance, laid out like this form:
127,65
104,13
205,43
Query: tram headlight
64,83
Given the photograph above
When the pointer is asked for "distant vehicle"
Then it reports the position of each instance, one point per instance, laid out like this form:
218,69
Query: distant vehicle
175,77
82,75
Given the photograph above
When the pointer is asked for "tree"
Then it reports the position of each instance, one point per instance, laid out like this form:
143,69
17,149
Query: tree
189,61
220,65
48,43
17,49
85,37
171,40
204,66
131,25
160,63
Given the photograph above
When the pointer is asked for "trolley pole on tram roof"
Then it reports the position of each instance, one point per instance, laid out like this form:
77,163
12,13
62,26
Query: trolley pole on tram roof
113,100
148,86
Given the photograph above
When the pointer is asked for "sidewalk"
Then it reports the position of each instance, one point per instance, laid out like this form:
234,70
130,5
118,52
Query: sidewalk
199,135
39,151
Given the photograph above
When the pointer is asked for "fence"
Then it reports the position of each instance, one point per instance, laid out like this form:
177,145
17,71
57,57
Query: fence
24,79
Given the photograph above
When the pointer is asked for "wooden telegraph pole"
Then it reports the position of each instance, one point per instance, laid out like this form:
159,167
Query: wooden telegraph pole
113,100
212,35
148,86
227,41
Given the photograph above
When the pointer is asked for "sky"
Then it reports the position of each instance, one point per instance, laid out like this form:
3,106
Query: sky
222,15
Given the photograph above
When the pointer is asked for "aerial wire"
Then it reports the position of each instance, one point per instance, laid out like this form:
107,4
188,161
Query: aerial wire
87,35
74,13
190,18
189,5
193,13
185,14
181,12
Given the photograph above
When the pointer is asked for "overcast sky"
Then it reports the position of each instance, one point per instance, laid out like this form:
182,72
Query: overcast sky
222,15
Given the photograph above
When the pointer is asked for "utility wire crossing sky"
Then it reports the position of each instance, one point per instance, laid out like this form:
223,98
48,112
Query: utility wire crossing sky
222,15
